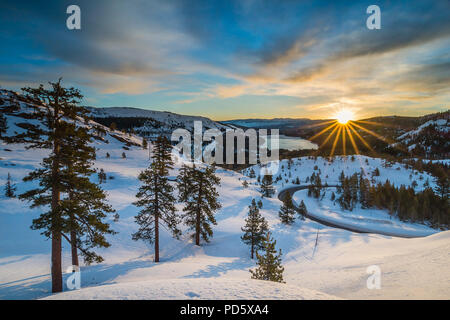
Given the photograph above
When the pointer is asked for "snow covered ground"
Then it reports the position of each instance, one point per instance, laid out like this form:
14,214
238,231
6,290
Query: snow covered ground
365,220
320,262
205,289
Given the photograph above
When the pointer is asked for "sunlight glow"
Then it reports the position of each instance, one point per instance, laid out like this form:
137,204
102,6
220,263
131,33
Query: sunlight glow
344,116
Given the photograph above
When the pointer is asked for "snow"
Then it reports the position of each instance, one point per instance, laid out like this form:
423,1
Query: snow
441,124
204,289
366,220
302,168
333,266
166,121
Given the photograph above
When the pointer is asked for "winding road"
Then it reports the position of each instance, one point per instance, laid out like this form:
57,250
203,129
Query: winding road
349,227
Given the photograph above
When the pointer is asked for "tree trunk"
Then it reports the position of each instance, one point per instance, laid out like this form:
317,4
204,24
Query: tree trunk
156,238
56,245
73,245
197,222
56,267
252,247
73,238
197,229
56,262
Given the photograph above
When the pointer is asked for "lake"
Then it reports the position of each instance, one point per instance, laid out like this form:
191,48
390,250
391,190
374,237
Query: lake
295,143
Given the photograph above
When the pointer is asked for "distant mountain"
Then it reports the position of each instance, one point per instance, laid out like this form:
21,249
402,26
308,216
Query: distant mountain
150,123
276,123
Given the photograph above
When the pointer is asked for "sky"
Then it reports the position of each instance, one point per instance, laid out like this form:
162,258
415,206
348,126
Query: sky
235,59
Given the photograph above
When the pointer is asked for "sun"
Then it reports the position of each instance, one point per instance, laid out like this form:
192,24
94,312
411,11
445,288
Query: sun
344,116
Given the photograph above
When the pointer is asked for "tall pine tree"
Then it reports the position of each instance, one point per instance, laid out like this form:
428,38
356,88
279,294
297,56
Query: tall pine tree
156,197
201,200
77,206
255,229
85,206
54,108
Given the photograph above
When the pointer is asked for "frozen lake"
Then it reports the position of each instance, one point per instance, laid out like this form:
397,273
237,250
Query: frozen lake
294,143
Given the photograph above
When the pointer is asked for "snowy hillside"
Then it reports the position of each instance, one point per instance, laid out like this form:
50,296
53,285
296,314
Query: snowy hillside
153,123
431,139
297,172
320,262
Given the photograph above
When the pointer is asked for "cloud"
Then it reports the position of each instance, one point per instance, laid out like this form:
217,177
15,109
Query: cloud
318,53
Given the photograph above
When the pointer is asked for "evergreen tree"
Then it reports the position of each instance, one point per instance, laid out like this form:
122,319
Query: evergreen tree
260,204
183,182
252,173
101,176
255,229
144,144
3,125
156,197
124,156
302,211
84,208
55,109
10,188
245,184
267,189
442,182
269,264
287,210
201,200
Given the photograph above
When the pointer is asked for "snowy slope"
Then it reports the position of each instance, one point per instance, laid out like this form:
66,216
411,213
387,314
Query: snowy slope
441,125
204,289
367,220
157,122
431,139
318,260
330,169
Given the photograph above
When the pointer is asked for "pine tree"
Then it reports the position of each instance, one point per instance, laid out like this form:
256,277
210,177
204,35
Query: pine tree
10,188
144,144
201,200
269,264
245,184
302,211
54,108
3,125
255,229
124,156
267,189
252,173
260,204
156,197
287,210
101,176
85,206
442,182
